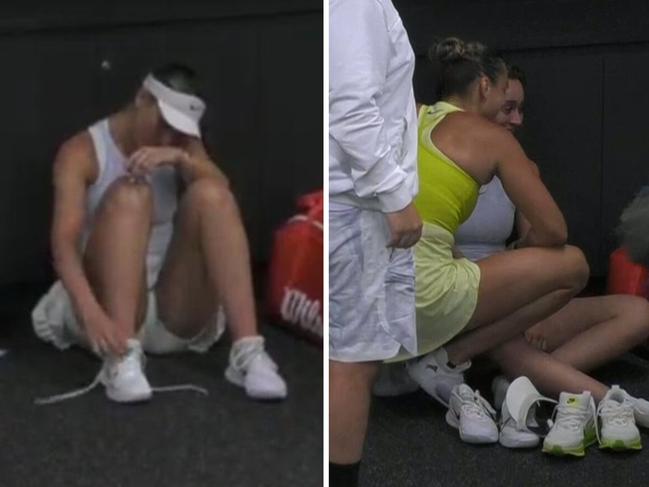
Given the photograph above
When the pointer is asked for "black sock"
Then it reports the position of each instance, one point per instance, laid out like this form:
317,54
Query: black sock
343,475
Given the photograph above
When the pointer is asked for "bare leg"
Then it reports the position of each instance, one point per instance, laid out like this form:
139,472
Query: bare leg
517,290
588,332
350,386
517,357
115,255
207,263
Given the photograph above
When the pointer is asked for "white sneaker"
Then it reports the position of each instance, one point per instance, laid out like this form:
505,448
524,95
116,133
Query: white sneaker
472,415
435,376
251,368
618,430
510,436
640,411
499,386
124,377
574,427
394,380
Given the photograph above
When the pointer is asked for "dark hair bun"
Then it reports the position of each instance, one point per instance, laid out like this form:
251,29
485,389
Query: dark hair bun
448,50
452,50
456,64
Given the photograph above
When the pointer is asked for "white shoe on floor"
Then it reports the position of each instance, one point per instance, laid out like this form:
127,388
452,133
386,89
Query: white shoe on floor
394,380
252,368
618,430
575,426
434,374
123,377
510,436
472,415
640,411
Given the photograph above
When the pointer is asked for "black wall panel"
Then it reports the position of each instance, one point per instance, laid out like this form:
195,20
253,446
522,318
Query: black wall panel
563,135
626,130
527,24
260,64
291,141
47,93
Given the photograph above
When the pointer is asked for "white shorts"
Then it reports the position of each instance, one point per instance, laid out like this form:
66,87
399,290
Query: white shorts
54,321
371,289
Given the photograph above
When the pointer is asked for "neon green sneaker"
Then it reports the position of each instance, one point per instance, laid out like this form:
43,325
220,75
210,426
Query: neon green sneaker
574,428
618,430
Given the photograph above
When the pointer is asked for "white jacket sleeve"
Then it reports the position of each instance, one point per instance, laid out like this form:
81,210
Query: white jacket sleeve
359,53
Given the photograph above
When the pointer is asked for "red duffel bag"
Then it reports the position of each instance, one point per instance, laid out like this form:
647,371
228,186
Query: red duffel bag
295,274
626,277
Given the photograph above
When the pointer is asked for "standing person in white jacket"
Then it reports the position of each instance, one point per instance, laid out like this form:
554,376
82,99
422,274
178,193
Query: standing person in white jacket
372,220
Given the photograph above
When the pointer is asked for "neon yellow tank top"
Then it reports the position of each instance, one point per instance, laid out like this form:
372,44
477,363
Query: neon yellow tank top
447,193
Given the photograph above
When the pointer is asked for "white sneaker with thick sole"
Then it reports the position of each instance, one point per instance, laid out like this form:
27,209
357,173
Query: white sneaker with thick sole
618,430
394,380
123,377
510,436
472,415
575,426
434,375
252,368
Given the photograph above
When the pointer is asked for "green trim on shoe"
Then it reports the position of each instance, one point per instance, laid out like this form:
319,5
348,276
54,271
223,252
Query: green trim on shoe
590,438
560,451
621,445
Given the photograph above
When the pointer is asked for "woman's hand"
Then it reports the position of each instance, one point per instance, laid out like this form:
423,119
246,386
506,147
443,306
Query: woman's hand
104,335
405,227
144,160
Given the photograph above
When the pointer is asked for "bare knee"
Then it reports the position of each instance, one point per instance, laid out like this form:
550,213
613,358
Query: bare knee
576,269
634,314
127,197
208,193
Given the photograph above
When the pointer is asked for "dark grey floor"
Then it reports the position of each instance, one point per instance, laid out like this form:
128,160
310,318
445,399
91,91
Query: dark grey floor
179,439
410,444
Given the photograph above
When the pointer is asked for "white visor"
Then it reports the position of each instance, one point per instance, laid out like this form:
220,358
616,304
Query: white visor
524,401
180,110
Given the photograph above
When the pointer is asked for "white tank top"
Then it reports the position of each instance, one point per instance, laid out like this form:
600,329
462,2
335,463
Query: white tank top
490,224
112,165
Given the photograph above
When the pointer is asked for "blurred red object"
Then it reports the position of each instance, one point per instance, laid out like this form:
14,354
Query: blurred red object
626,277
296,270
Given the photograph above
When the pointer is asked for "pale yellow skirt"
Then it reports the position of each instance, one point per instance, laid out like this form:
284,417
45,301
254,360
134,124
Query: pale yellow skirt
446,291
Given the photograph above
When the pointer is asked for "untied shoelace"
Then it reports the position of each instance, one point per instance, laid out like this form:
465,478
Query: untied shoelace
133,354
479,406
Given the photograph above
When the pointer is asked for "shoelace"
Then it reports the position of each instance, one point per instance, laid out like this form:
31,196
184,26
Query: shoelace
246,350
571,418
97,380
133,355
568,417
620,414
478,406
